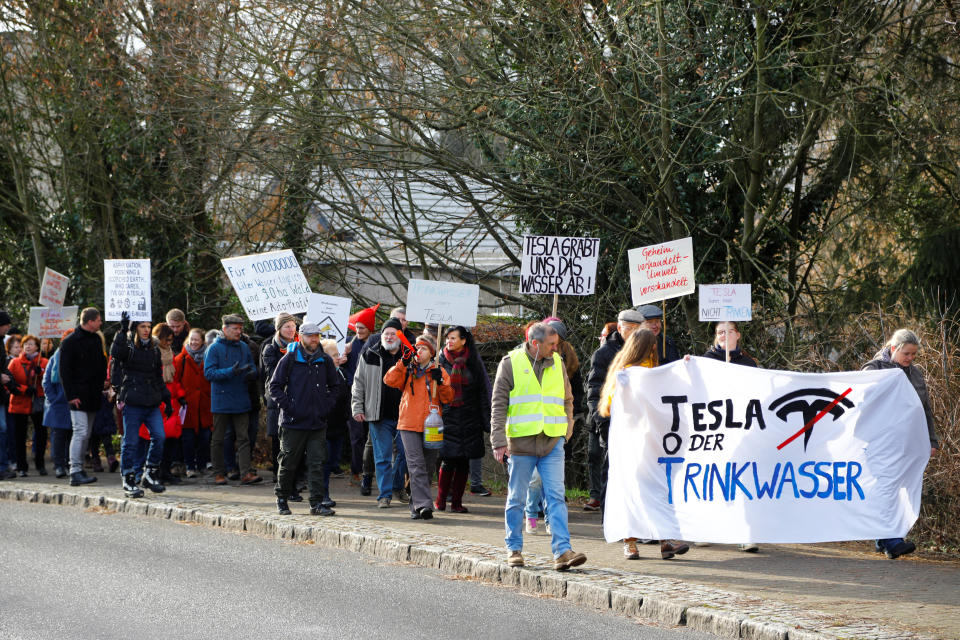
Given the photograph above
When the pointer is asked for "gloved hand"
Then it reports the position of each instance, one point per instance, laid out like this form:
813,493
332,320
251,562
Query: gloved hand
437,374
168,409
124,321
31,391
407,357
236,369
182,401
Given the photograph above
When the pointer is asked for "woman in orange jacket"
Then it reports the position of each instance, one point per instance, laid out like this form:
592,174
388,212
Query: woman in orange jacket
424,383
26,403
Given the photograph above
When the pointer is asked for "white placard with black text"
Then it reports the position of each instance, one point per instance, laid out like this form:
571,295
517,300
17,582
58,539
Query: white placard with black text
268,283
446,303
720,302
332,314
126,287
563,265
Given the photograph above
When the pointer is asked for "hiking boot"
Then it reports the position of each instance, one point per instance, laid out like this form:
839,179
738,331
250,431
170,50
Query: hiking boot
592,505
630,551
403,496
318,509
426,513
130,486
750,547
669,549
568,559
366,482
514,559
898,547
282,507
79,478
251,478
151,480
328,503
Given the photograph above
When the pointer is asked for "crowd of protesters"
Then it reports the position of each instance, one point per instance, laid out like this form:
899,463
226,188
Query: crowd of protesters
186,404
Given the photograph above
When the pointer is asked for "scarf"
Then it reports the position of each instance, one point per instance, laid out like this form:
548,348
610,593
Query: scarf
458,373
281,342
166,359
32,357
723,352
196,355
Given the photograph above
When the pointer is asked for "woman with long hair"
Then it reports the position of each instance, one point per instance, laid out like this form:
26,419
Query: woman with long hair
640,350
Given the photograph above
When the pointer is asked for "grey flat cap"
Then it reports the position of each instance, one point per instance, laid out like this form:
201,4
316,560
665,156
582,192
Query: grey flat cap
309,329
630,315
560,328
650,311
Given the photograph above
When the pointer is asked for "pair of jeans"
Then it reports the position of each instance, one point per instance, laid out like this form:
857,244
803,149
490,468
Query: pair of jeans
334,445
390,471
82,422
133,417
194,444
521,470
535,504
230,437
60,447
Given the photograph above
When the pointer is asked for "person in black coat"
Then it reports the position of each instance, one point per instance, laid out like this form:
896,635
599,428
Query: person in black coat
137,374
728,333
305,385
83,371
464,417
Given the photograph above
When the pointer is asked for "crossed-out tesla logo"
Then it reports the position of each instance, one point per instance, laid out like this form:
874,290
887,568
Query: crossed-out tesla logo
812,405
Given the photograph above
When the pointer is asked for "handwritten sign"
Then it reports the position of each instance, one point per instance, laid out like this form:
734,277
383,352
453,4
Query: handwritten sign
661,271
332,314
47,322
126,287
725,302
268,283
446,303
53,289
562,265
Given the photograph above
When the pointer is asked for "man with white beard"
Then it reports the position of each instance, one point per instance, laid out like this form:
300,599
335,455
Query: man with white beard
379,405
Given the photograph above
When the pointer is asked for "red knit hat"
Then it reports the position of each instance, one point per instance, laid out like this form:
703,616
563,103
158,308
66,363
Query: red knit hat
367,317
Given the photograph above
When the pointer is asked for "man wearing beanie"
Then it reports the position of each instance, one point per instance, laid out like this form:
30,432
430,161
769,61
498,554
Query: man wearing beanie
379,405
229,366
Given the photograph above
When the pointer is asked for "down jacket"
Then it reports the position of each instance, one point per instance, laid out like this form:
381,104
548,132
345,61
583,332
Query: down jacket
137,372
305,387
26,374
464,426
196,391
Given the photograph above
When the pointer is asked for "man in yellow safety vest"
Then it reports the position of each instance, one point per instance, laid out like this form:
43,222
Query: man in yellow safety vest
531,417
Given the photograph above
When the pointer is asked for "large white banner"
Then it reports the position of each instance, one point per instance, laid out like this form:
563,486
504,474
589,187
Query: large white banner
440,302
558,264
268,283
702,451
126,287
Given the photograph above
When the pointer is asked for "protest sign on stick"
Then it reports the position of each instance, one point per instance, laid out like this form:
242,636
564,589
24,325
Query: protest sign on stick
725,302
332,314
268,283
126,287
51,322
559,265
53,289
442,303
661,271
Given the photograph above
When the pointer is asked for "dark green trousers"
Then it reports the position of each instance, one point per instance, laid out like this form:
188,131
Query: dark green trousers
294,445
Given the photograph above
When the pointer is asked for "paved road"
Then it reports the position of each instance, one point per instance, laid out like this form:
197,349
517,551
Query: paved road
87,574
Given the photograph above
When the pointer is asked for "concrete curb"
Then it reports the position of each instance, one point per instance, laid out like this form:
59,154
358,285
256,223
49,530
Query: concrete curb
662,600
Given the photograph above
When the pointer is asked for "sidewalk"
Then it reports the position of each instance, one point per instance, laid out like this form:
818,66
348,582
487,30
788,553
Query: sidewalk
785,591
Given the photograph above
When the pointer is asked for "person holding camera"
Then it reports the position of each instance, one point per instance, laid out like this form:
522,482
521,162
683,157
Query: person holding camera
229,366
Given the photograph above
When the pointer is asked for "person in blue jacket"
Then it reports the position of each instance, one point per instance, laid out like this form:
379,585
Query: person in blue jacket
228,365
56,415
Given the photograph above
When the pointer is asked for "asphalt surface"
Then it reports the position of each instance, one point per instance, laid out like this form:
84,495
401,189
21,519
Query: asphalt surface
97,574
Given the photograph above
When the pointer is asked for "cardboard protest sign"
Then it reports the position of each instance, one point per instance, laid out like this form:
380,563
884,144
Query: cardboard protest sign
697,453
725,302
126,287
661,271
332,314
47,322
53,289
268,283
446,303
561,265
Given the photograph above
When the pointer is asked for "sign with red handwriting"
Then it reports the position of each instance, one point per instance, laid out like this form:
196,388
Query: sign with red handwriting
661,271
53,289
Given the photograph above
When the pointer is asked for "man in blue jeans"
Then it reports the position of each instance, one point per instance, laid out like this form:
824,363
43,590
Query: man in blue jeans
531,418
379,405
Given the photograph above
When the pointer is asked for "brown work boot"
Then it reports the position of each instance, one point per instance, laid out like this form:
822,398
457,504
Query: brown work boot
569,559
220,479
250,478
669,549
515,559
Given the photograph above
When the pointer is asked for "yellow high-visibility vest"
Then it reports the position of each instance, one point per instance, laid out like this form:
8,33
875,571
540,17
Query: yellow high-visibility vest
535,407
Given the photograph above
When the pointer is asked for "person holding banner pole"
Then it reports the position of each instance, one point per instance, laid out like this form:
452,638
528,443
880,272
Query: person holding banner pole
531,417
899,352
640,350
83,373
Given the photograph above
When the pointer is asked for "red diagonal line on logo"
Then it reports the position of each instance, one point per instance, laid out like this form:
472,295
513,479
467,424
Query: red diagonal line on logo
813,420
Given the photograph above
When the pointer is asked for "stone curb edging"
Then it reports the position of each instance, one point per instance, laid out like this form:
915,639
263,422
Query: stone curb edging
600,589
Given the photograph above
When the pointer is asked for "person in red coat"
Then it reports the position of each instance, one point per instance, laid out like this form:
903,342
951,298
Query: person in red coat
26,403
197,421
